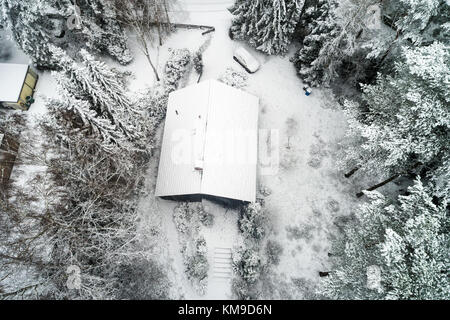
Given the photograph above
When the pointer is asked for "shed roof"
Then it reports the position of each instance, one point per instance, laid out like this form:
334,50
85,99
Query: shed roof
210,143
12,77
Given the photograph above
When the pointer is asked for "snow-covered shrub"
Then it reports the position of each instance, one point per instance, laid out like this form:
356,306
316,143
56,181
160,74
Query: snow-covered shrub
176,67
152,104
206,218
120,53
182,215
234,78
289,158
302,232
197,265
198,62
187,218
156,101
247,264
244,291
252,221
264,191
273,251
317,151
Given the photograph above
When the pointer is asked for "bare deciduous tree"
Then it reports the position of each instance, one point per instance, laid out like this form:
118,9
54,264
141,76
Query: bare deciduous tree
142,16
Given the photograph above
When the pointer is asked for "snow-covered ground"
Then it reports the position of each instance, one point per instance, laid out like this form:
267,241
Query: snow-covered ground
308,190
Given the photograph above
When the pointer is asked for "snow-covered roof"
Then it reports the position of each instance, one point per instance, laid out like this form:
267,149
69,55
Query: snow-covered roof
12,77
210,143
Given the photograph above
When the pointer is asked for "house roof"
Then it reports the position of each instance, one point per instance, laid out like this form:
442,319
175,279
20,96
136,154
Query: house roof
214,127
12,77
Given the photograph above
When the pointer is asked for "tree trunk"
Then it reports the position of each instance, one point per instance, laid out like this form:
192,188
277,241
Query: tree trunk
153,68
360,194
385,55
351,172
147,55
374,187
159,34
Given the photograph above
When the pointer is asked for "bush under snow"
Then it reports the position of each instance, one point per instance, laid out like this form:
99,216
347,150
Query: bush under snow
234,78
176,67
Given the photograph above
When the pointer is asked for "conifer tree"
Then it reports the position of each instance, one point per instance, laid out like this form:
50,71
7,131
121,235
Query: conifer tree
322,26
405,119
412,23
407,242
94,86
28,24
36,24
335,38
266,25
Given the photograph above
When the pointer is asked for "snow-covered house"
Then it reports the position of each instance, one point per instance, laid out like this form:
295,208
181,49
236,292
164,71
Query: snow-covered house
209,147
8,153
17,84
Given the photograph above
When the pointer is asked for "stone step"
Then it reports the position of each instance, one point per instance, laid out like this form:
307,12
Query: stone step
222,263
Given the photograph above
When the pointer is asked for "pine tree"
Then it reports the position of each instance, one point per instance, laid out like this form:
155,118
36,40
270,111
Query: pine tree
96,84
411,21
334,39
100,30
266,25
407,242
405,118
108,80
29,26
81,118
36,24
322,24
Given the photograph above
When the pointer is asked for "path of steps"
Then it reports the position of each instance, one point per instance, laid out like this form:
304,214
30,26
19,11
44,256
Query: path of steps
222,264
